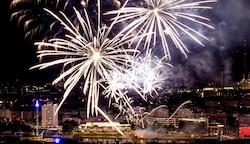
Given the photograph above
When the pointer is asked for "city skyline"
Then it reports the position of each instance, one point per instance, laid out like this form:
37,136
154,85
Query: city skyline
229,18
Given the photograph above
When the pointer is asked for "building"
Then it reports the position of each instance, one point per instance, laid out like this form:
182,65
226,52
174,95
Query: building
245,82
244,132
5,115
49,118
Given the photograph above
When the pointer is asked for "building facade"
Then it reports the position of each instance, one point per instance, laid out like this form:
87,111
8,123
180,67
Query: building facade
49,118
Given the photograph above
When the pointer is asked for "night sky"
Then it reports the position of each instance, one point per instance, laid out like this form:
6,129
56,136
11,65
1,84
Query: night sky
16,53
224,51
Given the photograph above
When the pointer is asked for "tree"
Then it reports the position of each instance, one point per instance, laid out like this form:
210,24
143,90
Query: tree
69,125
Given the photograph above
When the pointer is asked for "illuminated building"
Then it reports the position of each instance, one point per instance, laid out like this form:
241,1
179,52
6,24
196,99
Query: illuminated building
244,132
245,82
48,117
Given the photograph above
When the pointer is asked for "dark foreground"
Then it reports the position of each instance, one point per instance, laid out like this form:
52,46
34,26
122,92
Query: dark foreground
15,140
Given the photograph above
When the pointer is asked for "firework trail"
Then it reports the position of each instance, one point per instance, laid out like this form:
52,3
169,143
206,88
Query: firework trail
36,22
86,56
145,78
138,117
179,107
148,72
159,20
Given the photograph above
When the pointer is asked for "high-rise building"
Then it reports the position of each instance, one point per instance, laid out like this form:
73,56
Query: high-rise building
49,118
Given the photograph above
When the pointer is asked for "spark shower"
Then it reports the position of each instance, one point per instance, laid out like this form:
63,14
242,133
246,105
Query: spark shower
117,58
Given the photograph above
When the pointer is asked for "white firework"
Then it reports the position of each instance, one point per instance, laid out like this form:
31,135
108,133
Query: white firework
158,20
88,55
148,73
144,78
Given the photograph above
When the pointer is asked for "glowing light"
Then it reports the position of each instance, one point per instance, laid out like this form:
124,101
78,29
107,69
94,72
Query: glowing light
144,78
86,56
156,20
37,103
57,140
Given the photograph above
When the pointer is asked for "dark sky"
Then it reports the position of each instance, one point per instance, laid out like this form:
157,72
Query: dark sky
18,54
231,19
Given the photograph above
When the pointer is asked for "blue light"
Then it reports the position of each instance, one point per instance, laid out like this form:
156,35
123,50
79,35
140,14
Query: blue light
57,140
37,103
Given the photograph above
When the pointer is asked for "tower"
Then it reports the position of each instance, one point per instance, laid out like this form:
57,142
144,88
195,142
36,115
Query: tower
245,75
49,119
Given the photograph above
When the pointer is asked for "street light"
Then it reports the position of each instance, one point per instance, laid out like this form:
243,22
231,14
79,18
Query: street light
37,120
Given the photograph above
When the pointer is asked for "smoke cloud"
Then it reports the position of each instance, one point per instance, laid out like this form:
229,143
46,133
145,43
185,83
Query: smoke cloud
231,19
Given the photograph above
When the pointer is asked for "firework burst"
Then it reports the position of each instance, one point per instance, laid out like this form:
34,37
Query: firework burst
86,56
145,78
148,73
158,20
